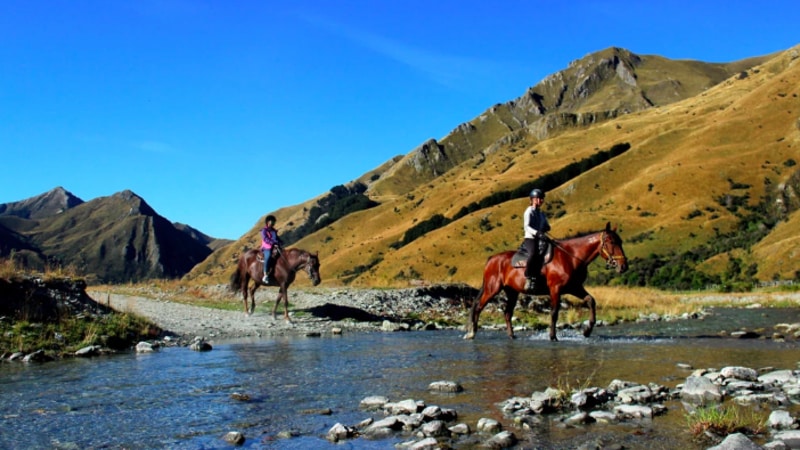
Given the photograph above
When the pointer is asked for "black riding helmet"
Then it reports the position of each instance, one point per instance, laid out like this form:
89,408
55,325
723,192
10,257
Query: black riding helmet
537,193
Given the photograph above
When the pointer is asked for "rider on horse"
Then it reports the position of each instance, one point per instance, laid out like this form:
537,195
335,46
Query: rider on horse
269,239
536,226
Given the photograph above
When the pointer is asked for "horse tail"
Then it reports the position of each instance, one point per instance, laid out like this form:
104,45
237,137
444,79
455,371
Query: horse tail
236,280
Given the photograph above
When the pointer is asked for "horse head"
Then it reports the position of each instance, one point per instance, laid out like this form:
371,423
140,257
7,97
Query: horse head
312,268
611,249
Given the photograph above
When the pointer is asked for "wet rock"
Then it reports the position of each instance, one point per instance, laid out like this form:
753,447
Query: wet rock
781,420
339,432
503,439
460,429
635,394
92,350
435,428
633,412
37,356
790,438
778,377
428,443
200,345
402,407
146,347
581,418
373,402
445,386
700,390
603,416
736,441
240,397
740,373
234,437
489,425
548,401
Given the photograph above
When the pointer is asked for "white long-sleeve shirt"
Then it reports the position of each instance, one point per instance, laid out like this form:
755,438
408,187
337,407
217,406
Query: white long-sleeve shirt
535,223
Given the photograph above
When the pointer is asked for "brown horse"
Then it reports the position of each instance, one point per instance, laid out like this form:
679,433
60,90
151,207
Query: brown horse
564,274
285,269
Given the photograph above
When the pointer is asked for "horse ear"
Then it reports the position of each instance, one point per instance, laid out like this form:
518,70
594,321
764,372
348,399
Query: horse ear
608,226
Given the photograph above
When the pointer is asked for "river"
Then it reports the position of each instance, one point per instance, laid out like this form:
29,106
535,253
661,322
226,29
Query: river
181,399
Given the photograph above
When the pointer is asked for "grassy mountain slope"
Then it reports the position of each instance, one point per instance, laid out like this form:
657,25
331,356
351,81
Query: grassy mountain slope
692,167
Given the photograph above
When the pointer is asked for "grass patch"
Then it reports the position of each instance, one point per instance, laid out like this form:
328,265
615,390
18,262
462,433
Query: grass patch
117,331
723,420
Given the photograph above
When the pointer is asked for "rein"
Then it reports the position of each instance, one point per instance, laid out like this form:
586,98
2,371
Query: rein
603,251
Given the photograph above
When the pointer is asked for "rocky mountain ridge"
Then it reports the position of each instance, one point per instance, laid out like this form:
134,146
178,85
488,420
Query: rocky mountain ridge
677,118
118,238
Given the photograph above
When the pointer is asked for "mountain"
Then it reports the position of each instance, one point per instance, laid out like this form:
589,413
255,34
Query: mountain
696,163
53,202
118,238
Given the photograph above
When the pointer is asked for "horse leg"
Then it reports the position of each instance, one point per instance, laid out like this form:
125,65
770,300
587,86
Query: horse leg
253,297
488,291
512,295
245,280
281,295
587,297
555,305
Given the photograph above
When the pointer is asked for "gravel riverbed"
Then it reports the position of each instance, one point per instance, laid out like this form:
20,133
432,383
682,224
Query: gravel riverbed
313,311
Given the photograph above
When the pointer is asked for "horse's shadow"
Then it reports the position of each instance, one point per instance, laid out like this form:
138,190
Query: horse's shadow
339,313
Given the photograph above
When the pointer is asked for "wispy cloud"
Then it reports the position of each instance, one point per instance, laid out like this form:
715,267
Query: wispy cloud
449,70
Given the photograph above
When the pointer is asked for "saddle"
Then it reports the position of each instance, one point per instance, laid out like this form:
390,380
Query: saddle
520,258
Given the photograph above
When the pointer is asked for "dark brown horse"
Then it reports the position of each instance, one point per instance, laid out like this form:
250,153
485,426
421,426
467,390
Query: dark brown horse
286,266
564,274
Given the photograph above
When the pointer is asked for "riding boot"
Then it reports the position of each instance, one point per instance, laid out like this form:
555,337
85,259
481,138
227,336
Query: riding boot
530,284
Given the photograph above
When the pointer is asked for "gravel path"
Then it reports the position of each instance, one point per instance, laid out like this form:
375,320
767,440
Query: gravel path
319,311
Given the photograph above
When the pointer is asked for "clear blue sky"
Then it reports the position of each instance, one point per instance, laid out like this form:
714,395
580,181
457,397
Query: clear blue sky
218,112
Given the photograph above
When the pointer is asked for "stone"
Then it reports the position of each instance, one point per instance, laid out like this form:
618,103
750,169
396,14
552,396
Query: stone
92,350
780,420
736,441
146,347
428,443
373,402
740,373
700,390
633,412
503,439
445,386
234,437
435,428
403,407
339,432
790,438
489,425
460,429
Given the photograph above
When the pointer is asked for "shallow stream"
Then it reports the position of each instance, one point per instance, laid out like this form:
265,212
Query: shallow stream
180,399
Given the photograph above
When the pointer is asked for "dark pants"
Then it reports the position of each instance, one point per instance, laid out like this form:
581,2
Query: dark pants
267,255
534,257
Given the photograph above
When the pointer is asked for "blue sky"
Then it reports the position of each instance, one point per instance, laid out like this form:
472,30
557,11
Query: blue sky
219,112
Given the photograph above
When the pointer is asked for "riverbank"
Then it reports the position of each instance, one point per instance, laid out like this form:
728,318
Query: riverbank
321,311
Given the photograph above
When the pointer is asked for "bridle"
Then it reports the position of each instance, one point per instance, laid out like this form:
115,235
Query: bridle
612,261
307,264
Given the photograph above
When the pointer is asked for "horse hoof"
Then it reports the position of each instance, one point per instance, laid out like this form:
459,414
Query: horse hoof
469,336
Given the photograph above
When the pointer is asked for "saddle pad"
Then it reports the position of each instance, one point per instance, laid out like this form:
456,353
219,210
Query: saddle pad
520,259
